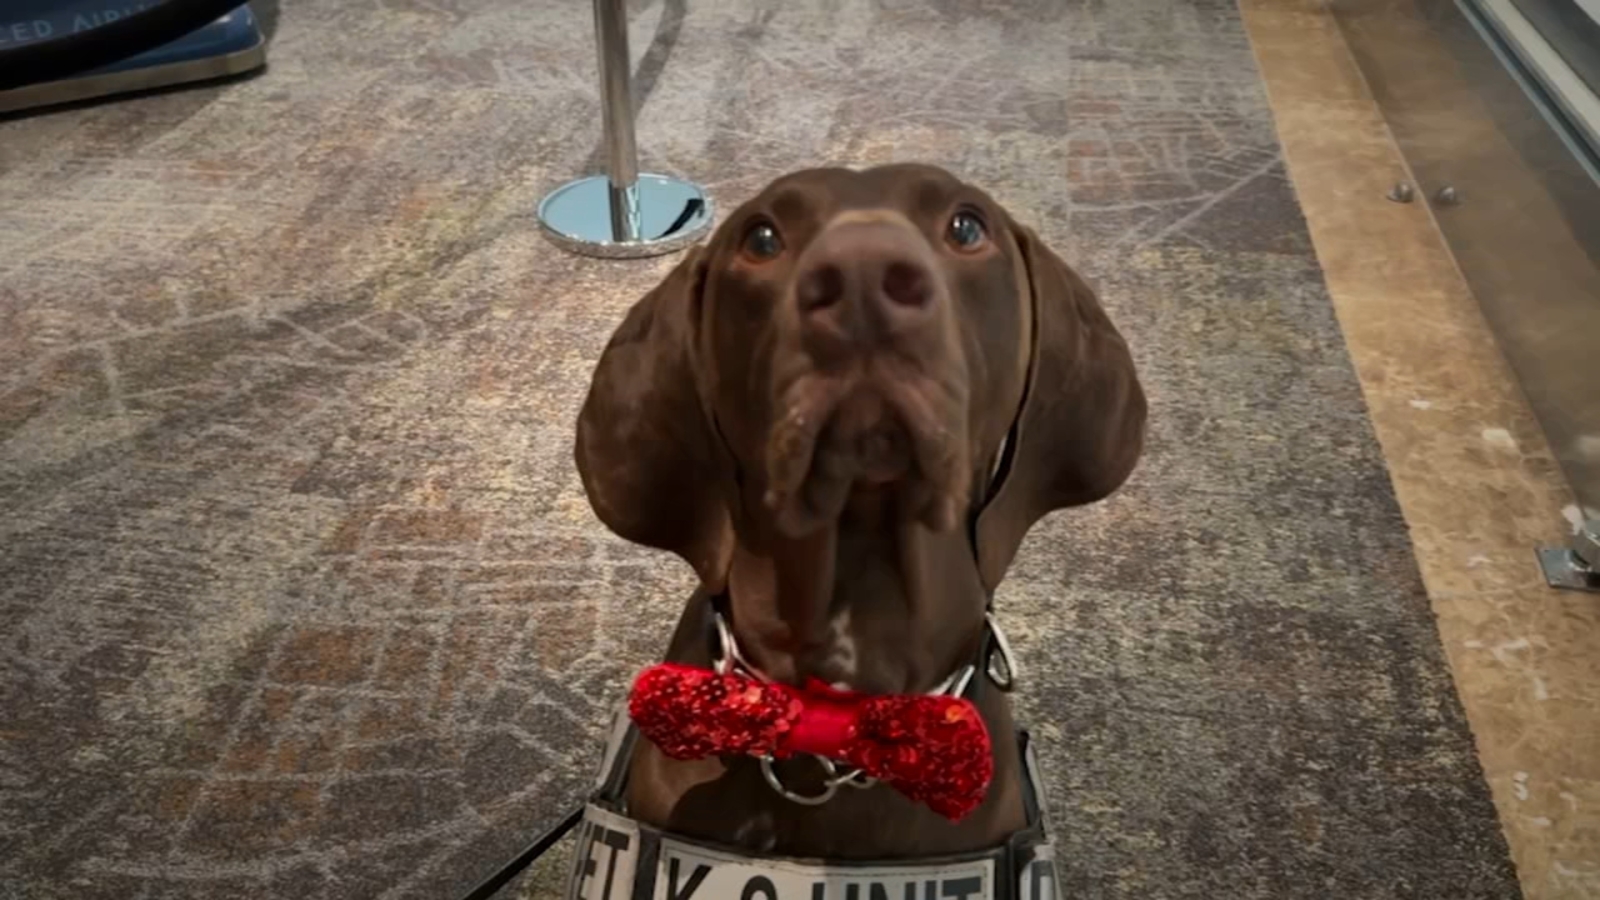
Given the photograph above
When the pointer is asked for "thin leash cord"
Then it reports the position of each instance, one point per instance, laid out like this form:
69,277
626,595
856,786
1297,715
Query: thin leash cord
502,876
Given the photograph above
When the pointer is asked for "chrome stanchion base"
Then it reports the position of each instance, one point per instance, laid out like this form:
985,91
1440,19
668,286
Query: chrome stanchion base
672,214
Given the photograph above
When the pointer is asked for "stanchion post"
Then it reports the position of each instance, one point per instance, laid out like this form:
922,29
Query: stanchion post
622,213
616,108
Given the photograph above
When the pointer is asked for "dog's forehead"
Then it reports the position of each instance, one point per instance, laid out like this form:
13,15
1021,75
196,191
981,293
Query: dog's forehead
911,188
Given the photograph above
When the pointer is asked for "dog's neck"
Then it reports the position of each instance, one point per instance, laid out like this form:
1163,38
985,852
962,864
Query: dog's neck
869,603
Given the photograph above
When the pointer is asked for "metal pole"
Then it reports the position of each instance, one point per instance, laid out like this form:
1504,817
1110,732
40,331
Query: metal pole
624,213
616,99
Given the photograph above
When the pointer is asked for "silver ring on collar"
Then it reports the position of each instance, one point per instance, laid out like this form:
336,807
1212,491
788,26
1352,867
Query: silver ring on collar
830,784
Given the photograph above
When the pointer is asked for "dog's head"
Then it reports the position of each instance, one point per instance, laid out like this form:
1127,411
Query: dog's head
887,343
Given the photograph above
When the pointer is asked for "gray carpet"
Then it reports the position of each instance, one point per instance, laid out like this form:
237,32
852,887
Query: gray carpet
299,596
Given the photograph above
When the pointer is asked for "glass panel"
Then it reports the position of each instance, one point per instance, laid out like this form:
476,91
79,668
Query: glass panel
1525,227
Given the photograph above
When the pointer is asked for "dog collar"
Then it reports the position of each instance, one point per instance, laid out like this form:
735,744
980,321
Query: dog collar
934,749
728,659
619,858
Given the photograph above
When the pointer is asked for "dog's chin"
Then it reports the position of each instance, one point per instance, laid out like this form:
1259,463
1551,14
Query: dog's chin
875,450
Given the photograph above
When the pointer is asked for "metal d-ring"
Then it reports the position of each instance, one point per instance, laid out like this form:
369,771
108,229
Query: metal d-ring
1001,649
832,782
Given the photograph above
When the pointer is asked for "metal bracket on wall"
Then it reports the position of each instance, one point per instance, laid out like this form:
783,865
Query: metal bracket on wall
1575,567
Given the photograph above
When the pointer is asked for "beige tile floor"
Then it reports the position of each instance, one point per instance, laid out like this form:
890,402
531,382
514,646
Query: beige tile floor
1474,475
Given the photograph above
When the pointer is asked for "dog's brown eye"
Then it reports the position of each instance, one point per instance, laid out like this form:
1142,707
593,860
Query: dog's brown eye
762,242
966,231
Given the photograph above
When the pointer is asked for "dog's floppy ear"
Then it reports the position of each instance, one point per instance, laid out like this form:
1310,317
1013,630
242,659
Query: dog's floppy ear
1081,427
646,451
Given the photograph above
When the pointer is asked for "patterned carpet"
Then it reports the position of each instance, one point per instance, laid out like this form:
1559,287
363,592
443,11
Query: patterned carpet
300,597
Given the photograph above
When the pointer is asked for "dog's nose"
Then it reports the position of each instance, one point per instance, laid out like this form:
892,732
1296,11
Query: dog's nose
864,282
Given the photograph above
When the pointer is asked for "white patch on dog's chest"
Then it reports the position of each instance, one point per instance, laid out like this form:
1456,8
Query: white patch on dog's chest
840,663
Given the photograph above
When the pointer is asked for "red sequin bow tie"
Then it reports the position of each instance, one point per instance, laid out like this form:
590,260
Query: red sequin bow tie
932,748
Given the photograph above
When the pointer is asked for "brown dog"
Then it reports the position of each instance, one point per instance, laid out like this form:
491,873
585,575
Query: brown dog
845,413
